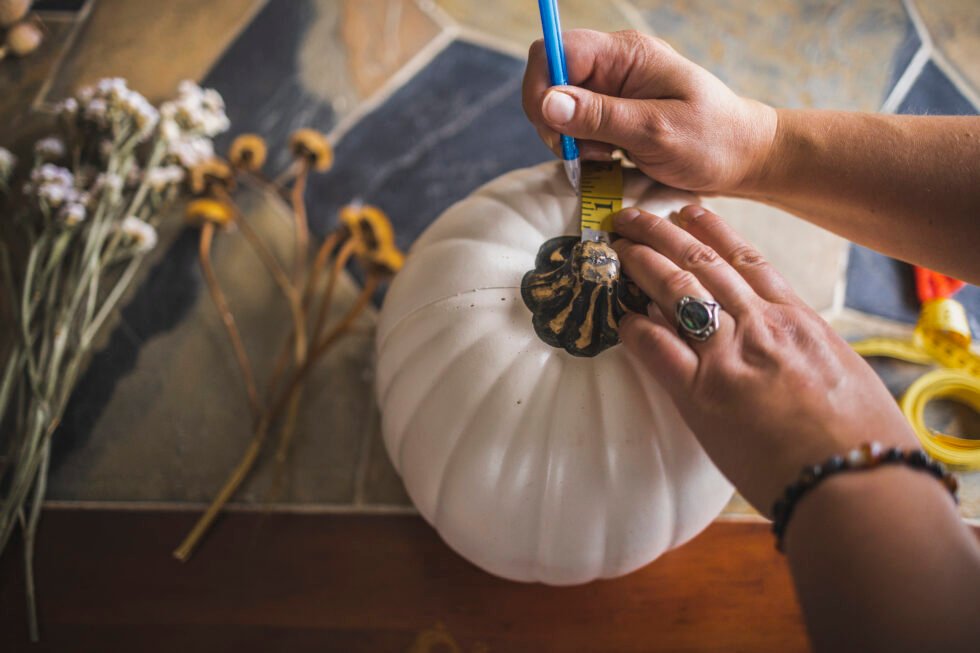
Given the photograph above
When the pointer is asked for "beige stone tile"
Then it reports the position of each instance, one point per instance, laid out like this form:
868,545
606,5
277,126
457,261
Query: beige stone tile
954,26
23,79
177,423
154,45
349,49
821,53
811,259
517,23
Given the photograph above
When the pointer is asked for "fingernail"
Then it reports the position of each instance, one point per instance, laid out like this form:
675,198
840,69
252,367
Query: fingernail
558,107
689,213
625,217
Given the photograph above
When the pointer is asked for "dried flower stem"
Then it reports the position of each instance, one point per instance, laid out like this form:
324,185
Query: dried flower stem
302,225
240,473
228,319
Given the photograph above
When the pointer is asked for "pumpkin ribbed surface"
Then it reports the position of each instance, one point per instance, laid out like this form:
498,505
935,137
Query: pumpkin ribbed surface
532,463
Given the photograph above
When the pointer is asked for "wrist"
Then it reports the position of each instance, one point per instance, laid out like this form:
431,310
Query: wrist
767,154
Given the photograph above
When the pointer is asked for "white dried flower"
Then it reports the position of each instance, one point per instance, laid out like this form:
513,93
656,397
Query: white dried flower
197,110
7,163
97,111
67,107
160,178
107,182
140,233
85,95
110,87
52,185
190,151
49,149
73,213
169,129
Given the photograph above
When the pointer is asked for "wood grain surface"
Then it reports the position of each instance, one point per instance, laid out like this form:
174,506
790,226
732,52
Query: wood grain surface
352,583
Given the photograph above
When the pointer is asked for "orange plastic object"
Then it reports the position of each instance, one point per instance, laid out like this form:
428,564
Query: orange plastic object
931,285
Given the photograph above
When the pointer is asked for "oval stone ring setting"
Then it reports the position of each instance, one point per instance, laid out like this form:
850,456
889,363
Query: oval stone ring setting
697,319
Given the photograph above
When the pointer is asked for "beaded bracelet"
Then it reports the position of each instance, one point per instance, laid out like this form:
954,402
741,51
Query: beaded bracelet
867,456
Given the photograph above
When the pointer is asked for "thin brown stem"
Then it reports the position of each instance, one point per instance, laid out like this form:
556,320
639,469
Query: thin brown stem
312,281
302,224
228,319
346,251
278,274
240,473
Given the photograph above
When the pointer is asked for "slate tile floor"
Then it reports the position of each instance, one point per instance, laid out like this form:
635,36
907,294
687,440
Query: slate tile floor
422,100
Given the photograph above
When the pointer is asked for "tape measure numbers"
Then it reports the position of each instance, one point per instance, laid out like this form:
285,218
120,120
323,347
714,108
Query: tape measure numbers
602,194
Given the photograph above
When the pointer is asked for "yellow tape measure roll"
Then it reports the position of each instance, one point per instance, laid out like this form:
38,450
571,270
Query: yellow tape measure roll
602,194
941,336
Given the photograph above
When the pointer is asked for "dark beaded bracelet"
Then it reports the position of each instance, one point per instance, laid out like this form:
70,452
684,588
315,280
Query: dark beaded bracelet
867,456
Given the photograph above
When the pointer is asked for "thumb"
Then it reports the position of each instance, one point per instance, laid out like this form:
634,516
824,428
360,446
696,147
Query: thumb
580,113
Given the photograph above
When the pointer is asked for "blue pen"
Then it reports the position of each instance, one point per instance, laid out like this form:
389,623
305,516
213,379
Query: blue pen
555,51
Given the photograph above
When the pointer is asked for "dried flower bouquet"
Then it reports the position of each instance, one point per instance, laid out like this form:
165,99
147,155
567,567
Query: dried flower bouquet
72,238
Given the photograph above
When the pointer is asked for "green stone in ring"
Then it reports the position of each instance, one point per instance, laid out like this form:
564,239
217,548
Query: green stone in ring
697,318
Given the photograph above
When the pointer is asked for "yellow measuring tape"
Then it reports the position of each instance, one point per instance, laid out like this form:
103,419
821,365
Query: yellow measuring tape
942,336
602,195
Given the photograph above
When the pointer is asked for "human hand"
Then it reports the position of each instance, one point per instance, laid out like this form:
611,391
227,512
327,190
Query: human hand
774,389
677,122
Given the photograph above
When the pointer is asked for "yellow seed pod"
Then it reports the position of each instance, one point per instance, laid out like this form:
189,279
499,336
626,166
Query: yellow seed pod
213,172
373,235
248,152
24,38
12,11
200,211
312,145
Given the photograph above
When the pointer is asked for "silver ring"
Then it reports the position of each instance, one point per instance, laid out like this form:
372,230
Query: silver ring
697,319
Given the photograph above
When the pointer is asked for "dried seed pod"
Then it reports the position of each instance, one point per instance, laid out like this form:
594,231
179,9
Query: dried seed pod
374,237
213,173
247,152
577,295
200,211
12,11
313,146
24,38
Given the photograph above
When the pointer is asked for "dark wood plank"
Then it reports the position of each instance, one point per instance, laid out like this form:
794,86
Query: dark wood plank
377,583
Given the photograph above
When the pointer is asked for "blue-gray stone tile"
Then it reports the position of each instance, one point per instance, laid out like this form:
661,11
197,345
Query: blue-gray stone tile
933,93
259,80
910,44
881,285
456,125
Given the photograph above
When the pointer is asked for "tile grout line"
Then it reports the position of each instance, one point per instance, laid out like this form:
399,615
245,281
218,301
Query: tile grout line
939,58
907,79
436,13
395,82
81,20
634,17
492,42
837,302
920,25
364,458
956,79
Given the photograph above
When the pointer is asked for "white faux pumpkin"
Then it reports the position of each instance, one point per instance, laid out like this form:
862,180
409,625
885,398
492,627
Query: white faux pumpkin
532,463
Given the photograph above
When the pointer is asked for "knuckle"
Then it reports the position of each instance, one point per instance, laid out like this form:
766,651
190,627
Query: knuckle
679,282
698,255
597,117
746,256
656,43
536,49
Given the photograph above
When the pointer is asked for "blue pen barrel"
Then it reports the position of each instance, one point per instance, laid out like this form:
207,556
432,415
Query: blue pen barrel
557,69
